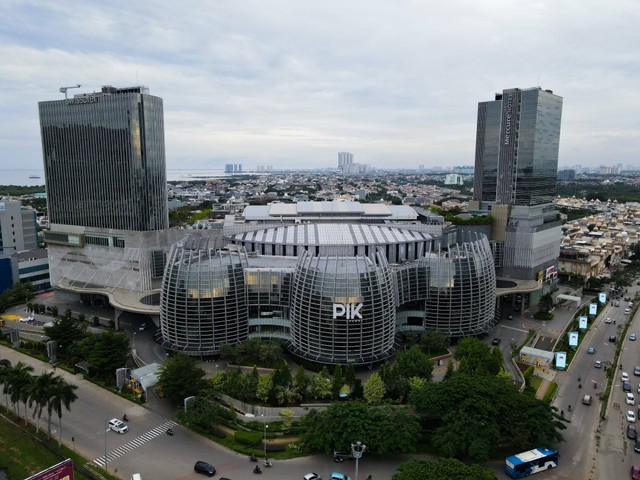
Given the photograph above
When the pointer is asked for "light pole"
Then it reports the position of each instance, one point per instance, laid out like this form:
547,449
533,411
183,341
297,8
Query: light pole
357,449
266,425
106,430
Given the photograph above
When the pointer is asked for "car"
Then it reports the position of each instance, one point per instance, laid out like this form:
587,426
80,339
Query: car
608,320
636,370
312,476
630,399
627,311
340,457
586,400
635,473
118,426
636,447
339,476
496,341
598,364
143,327
510,317
626,387
631,416
632,337
206,468
632,433
624,376
591,350
612,338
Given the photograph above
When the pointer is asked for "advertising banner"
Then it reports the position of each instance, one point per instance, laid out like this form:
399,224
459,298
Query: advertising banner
582,323
573,339
593,308
61,471
561,360
602,297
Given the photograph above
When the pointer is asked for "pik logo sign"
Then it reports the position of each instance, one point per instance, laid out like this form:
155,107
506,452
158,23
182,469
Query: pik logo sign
350,311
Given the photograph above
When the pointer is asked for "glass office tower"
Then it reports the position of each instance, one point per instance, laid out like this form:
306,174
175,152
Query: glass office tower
104,160
517,143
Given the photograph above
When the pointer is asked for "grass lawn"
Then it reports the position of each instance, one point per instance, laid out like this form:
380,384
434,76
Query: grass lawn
22,457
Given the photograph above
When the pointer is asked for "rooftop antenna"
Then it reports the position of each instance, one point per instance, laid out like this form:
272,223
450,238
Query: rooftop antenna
64,89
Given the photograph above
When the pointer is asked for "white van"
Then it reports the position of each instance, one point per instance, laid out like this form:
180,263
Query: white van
586,400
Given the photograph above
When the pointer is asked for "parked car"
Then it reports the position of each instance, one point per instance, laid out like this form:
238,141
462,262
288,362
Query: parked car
632,433
312,476
635,473
630,399
624,376
118,426
636,370
631,416
206,468
339,476
636,447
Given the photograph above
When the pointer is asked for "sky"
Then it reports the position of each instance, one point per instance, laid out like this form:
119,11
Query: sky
290,83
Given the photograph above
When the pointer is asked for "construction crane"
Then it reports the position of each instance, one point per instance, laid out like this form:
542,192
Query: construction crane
64,89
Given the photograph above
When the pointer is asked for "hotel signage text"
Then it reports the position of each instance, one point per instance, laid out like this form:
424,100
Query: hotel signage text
507,128
82,100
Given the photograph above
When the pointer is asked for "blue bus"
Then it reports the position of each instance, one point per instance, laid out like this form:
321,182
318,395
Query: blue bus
527,463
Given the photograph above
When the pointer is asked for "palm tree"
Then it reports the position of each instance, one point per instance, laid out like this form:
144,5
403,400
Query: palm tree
39,394
5,375
19,382
62,395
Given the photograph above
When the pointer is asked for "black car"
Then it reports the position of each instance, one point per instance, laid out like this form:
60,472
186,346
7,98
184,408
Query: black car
636,447
340,457
626,387
204,468
632,432
612,339
495,341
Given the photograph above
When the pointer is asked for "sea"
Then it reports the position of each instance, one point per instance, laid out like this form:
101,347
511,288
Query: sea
35,177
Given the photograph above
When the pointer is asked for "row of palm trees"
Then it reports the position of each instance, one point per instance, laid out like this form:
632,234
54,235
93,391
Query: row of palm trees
41,392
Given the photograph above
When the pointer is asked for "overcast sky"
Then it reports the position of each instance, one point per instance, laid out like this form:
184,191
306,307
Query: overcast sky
290,83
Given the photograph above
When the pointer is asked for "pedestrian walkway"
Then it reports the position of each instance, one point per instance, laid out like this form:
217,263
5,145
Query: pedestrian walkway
135,443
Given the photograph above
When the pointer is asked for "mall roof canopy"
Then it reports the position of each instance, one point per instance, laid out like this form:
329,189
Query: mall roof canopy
147,375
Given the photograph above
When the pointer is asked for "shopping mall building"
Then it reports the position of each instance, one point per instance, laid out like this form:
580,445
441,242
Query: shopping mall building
337,281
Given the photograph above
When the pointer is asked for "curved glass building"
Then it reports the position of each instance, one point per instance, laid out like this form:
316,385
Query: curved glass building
202,304
342,309
461,289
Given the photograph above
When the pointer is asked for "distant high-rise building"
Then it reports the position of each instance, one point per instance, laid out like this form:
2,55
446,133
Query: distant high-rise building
566,175
104,159
344,160
517,142
516,169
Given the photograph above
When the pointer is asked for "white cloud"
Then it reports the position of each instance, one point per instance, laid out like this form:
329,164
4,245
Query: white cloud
291,83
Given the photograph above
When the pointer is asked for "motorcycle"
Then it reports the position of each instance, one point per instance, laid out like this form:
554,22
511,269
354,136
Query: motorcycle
169,432
267,464
257,469
125,418
253,458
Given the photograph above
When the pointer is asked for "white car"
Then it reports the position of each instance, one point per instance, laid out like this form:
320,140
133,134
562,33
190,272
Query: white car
608,320
631,416
631,400
624,376
312,476
118,426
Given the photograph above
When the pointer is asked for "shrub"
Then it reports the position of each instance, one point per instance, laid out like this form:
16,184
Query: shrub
251,439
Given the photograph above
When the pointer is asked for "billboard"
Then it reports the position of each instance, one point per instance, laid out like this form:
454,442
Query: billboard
573,339
61,471
593,308
561,360
602,297
582,323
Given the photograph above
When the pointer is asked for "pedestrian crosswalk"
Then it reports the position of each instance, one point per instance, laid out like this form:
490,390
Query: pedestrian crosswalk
135,443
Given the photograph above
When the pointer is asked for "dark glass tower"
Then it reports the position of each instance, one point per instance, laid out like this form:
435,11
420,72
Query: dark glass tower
517,142
104,160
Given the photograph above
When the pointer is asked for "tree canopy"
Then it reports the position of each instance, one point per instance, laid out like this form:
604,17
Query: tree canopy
104,351
442,469
180,377
469,418
384,430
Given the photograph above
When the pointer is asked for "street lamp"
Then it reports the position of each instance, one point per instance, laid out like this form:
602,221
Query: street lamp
357,449
106,430
266,425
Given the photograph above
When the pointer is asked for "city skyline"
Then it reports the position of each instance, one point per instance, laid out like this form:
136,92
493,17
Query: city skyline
290,85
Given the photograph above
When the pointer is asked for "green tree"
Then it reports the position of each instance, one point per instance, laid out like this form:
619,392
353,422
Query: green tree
350,375
545,304
301,382
65,332
320,387
475,357
338,382
6,371
374,389
19,384
442,469
40,392
62,395
385,430
265,386
433,341
414,363
105,351
203,413
180,377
